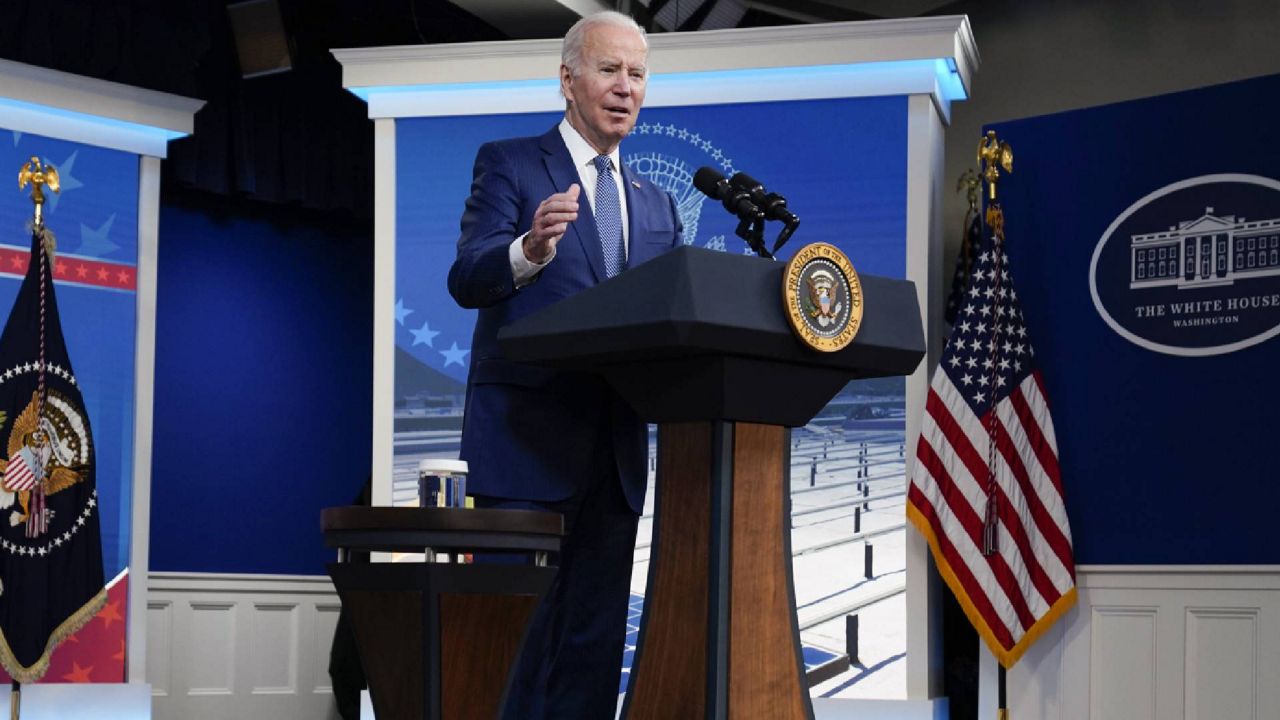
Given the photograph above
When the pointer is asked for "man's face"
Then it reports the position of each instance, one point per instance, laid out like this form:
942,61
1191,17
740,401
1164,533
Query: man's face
606,94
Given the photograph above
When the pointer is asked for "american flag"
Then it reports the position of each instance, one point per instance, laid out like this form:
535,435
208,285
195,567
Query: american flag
985,488
20,473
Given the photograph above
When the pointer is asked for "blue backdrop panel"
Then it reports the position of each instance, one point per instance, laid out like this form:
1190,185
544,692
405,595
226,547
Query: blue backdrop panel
1159,365
95,217
263,396
841,164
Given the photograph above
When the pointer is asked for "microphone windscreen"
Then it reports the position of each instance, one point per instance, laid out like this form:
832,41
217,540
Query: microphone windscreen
708,180
743,181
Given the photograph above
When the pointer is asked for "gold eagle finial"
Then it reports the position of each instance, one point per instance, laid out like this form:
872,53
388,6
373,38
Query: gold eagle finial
39,176
995,154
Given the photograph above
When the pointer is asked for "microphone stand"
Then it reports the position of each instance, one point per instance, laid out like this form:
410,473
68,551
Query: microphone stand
751,229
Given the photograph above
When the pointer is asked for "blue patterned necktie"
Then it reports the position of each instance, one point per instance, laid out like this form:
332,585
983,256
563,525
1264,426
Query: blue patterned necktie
609,217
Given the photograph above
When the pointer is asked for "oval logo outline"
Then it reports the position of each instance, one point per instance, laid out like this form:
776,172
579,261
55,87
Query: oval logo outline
1120,219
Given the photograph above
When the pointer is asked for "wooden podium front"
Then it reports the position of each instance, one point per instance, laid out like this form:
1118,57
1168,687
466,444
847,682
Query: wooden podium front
697,342
437,639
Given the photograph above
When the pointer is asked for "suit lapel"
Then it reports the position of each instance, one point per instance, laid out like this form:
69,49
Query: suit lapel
629,185
563,174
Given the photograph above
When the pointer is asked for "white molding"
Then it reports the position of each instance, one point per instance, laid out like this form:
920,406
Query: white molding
854,59
925,156
144,366
95,112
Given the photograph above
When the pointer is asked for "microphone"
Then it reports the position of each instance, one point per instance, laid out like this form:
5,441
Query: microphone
773,205
736,201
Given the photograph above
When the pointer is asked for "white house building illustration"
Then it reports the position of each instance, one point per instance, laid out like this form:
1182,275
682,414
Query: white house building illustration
1210,250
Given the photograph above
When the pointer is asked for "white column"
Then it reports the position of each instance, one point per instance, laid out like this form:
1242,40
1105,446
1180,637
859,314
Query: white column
384,303
925,156
143,407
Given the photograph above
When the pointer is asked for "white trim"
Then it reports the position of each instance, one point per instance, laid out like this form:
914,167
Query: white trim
173,582
674,90
143,407
925,159
857,59
96,112
735,49
384,301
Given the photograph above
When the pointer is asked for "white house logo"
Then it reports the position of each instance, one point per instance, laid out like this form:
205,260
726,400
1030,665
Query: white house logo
668,155
1194,267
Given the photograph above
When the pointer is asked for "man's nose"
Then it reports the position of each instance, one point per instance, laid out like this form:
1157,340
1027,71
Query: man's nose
623,84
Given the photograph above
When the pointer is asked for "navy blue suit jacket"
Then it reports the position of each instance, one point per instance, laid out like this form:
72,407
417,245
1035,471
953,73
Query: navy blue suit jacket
531,432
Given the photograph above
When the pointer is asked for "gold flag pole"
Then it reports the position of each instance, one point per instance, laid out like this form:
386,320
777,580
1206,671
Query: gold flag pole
39,176
994,154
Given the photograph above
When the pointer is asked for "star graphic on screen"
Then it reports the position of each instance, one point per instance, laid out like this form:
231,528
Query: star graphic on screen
401,311
69,182
95,242
424,334
454,355
78,674
110,613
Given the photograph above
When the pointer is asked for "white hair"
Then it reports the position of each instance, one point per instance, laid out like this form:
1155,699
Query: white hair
571,49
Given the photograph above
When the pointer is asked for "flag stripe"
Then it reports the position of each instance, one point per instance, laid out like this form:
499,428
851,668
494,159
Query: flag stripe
1043,499
1034,507
971,522
979,600
1033,411
978,437
971,492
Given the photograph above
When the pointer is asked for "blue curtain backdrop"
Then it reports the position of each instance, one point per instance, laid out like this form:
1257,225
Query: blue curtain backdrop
1165,453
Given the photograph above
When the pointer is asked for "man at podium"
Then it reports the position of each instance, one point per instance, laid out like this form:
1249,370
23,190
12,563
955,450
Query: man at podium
548,217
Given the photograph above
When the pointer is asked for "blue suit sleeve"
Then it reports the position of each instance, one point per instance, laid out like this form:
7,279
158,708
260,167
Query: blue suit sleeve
481,272
678,240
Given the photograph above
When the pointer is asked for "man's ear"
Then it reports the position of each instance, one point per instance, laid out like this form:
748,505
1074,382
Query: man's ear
566,80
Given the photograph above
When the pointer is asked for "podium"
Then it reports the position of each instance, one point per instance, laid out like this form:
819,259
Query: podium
698,342
437,639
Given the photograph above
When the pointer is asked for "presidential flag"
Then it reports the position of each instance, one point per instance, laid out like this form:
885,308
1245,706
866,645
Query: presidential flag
51,578
985,488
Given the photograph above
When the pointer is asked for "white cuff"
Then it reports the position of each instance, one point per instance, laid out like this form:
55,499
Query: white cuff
523,271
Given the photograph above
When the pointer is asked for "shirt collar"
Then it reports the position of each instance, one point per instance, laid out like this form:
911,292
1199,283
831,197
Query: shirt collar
580,150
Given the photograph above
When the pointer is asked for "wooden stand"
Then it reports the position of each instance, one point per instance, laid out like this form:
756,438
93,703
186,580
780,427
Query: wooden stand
720,638
437,640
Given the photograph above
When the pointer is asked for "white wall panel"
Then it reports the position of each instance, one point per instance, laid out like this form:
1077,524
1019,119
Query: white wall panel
1154,642
1222,664
275,648
209,647
240,646
159,644
1122,664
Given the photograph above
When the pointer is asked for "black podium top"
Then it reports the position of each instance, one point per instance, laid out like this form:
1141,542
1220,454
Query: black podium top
696,334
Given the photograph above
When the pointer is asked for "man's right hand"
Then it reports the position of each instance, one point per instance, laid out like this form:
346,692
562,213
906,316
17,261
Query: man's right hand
550,222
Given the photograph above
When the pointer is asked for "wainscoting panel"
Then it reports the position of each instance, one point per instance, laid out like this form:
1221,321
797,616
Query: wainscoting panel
240,646
1154,643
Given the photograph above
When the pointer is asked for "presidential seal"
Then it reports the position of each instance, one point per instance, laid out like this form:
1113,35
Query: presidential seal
822,297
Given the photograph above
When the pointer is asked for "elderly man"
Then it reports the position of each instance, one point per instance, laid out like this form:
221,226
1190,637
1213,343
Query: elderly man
549,217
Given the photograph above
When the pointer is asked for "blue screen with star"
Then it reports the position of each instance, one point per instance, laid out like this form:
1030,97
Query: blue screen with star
95,220
841,163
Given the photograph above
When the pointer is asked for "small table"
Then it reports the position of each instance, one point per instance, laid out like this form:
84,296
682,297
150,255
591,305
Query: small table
437,639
